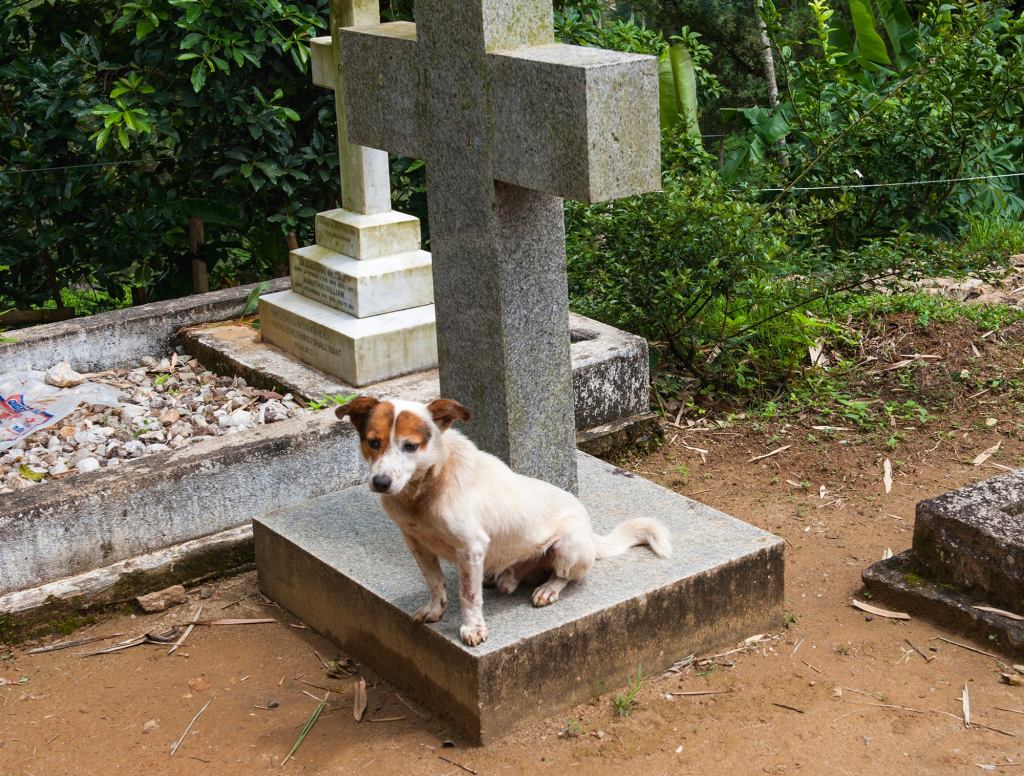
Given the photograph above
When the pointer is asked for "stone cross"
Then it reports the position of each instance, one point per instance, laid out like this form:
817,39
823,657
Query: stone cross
365,176
508,122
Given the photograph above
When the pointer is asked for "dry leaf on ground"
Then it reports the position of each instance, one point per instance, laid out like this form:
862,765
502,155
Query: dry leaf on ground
359,699
877,611
984,456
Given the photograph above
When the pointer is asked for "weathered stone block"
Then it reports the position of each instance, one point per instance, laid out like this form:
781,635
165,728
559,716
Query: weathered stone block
362,288
321,60
383,98
340,565
589,118
367,236
358,350
974,538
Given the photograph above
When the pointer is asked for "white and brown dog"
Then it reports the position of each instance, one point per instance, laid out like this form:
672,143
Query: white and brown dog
453,501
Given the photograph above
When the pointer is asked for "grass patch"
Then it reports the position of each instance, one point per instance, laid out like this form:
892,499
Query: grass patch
928,308
625,702
330,400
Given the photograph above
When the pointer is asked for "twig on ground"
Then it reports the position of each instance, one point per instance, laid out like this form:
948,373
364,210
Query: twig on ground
73,643
190,724
188,630
927,658
466,768
776,451
789,708
694,693
965,646
338,690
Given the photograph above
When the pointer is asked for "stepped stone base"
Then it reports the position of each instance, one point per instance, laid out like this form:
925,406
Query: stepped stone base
363,288
900,582
359,350
340,565
367,236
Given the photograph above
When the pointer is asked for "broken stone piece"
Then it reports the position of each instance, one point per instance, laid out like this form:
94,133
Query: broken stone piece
63,376
160,600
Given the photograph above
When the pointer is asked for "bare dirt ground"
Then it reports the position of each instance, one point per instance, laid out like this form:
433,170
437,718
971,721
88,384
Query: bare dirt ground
836,692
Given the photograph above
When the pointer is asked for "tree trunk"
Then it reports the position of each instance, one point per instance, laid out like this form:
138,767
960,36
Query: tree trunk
768,60
52,279
197,242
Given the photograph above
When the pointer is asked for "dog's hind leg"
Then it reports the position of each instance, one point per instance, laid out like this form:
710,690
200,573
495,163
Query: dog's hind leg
430,567
571,558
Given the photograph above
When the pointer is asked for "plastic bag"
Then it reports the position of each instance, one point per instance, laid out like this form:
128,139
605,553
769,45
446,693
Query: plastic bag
28,404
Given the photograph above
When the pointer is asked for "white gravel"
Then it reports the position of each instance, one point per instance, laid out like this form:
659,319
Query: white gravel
167,404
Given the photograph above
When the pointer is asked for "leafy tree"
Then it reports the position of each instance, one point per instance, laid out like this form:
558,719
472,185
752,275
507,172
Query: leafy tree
186,109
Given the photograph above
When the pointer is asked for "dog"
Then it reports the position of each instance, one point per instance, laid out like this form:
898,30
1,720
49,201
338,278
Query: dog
454,501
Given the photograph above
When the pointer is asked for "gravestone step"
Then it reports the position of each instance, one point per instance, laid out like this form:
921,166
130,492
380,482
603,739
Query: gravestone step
340,565
362,287
359,350
367,236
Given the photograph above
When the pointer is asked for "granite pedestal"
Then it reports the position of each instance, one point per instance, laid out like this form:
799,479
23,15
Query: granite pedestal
968,551
339,564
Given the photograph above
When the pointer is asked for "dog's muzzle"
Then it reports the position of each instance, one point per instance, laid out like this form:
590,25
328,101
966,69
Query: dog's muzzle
381,483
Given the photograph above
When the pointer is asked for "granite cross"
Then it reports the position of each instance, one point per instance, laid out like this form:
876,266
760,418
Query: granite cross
508,122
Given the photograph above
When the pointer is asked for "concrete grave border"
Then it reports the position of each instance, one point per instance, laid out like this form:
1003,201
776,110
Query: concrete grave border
179,515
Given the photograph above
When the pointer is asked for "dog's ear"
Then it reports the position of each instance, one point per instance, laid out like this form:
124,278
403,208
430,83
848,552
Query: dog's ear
357,409
447,411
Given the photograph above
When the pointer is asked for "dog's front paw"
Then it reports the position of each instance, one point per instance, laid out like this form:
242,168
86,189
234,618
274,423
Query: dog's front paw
429,612
473,634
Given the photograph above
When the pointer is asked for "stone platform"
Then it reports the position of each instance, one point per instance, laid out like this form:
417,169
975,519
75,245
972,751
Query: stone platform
339,564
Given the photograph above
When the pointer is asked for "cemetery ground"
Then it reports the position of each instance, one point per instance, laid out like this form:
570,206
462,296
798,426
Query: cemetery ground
836,691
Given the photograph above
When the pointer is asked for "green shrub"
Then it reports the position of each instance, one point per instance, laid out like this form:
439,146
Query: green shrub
179,109
934,99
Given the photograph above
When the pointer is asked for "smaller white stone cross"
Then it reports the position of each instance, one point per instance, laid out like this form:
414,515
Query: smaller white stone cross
365,177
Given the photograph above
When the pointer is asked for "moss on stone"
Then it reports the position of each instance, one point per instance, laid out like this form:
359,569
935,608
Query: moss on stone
913,579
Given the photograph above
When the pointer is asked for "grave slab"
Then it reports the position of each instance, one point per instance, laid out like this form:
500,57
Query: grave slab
367,236
368,349
362,288
339,564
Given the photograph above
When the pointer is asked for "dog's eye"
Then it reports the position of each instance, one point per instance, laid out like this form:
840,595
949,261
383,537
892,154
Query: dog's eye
373,444
410,447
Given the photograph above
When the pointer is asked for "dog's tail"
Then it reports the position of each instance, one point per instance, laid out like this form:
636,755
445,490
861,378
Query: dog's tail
640,530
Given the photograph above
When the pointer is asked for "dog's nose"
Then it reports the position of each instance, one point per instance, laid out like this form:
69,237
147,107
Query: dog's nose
381,483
